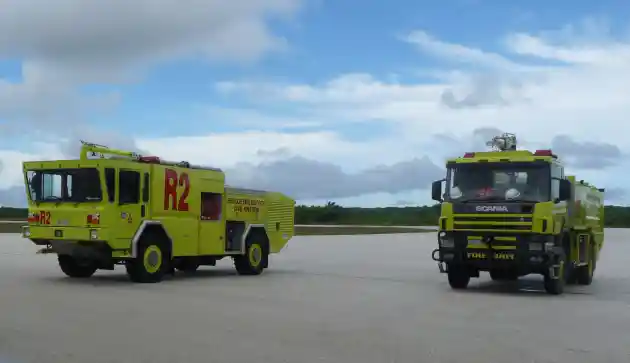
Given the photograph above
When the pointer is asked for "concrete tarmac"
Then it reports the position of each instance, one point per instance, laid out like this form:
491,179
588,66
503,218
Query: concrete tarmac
367,299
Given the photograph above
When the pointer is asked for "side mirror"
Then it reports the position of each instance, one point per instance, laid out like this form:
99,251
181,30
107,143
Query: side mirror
565,190
436,190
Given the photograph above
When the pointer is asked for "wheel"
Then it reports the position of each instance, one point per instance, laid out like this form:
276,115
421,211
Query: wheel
584,274
76,268
556,286
256,256
458,277
151,261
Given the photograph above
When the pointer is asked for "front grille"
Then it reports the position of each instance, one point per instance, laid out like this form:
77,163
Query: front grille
493,223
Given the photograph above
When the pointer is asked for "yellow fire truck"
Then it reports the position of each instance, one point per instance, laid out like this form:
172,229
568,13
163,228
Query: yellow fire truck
153,216
515,212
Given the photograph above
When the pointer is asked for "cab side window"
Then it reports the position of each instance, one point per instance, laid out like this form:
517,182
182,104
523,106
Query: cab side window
556,175
129,184
110,181
211,206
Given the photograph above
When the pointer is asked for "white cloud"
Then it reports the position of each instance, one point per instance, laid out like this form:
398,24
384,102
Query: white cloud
65,44
460,53
548,88
585,99
90,40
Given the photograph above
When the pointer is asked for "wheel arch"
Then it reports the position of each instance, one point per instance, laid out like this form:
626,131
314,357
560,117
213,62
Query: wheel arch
149,226
251,230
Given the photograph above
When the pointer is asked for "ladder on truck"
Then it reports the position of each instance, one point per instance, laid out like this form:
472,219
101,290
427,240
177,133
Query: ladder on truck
90,151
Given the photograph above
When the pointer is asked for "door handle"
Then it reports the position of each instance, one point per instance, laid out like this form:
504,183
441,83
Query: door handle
142,210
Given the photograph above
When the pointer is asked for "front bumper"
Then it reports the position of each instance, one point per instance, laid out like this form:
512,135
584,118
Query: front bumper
42,235
523,252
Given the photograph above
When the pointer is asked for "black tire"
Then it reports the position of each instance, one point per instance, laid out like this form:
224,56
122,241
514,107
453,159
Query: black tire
256,256
556,286
584,274
76,268
151,262
458,277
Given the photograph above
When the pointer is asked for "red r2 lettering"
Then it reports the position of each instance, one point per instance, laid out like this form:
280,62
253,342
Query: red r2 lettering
44,217
171,181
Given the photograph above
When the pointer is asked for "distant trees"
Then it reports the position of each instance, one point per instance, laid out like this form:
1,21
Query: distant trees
331,213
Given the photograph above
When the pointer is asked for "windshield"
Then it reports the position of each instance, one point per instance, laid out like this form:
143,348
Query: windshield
65,185
495,181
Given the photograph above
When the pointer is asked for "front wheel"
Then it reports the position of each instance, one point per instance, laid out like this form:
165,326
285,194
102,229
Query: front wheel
256,256
556,286
76,268
150,263
458,277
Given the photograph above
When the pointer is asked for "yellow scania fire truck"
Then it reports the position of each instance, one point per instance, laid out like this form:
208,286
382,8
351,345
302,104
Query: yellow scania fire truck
153,216
514,212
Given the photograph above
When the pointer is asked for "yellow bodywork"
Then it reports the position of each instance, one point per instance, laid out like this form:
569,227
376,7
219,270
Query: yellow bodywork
582,217
192,205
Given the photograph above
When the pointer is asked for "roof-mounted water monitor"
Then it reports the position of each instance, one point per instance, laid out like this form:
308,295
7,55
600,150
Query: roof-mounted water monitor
505,142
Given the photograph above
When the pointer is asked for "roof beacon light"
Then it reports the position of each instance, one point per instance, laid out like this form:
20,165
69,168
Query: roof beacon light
543,153
469,155
149,159
505,142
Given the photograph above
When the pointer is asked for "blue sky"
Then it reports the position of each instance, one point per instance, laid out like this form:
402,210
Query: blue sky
349,90
331,38
328,39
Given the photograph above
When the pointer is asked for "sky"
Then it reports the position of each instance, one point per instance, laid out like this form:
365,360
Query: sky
355,102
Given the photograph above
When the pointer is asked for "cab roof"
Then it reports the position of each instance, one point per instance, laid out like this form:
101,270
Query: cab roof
506,156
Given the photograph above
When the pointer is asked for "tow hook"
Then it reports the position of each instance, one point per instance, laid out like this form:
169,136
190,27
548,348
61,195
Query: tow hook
437,250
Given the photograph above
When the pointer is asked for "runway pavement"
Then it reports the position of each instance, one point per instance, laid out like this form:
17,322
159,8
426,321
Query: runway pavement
367,299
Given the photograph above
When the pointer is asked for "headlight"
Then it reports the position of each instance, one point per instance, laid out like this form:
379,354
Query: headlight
539,246
447,243
93,234
26,232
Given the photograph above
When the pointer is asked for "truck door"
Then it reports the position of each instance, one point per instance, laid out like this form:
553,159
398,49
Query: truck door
131,207
212,219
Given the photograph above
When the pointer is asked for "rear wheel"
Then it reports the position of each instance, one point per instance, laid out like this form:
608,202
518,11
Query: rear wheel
76,268
584,274
151,261
458,277
256,256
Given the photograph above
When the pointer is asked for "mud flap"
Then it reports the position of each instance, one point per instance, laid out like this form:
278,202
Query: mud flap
583,241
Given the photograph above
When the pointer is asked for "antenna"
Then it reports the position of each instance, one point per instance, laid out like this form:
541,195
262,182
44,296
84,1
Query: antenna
505,142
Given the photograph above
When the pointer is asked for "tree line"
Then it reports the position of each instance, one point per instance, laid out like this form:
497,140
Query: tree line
331,213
